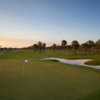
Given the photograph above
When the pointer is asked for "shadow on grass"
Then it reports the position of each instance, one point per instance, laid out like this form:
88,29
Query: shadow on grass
92,96
54,60
93,62
50,60
6,98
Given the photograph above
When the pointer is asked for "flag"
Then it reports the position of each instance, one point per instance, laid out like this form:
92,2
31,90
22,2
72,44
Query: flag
25,61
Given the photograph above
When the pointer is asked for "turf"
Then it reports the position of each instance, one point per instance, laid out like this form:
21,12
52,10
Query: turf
92,96
45,80
30,54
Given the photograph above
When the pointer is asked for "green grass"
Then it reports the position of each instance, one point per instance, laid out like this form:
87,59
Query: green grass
92,96
47,80
94,62
29,54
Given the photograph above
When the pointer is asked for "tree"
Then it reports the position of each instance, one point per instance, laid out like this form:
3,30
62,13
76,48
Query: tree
85,46
90,44
63,43
40,46
54,47
35,47
43,46
97,45
75,45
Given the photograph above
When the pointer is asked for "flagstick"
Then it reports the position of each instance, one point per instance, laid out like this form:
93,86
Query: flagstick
23,78
23,70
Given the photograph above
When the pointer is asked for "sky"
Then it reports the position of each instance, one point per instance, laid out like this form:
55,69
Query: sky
25,22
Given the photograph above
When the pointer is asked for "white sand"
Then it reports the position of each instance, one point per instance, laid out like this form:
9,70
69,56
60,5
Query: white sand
75,62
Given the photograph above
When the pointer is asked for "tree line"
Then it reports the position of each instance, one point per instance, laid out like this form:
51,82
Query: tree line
89,46
39,46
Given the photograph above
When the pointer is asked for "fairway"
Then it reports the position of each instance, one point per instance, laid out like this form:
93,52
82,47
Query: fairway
46,80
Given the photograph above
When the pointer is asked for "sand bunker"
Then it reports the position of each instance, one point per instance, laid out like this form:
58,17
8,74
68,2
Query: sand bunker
75,62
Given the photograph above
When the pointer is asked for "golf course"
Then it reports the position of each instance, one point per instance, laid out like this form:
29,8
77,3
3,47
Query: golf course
49,49
47,79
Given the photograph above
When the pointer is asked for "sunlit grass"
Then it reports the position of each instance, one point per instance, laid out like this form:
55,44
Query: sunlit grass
30,54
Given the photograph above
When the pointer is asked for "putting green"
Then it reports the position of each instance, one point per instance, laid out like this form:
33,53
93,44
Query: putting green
46,80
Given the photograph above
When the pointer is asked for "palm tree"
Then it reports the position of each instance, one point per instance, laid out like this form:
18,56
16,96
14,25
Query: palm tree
35,46
63,43
90,44
40,46
54,47
43,46
97,46
85,46
75,45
